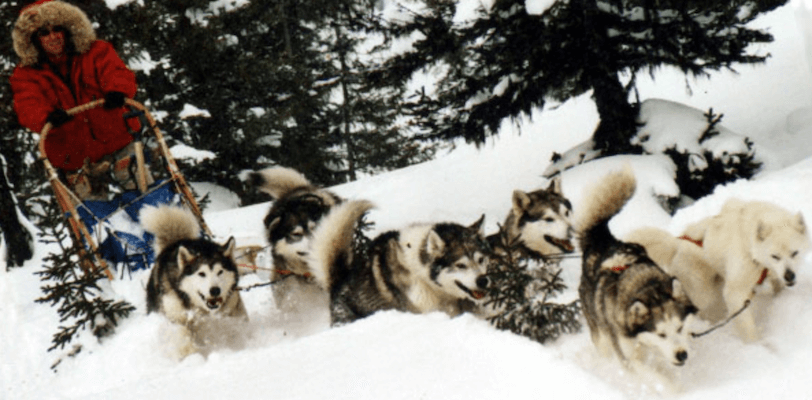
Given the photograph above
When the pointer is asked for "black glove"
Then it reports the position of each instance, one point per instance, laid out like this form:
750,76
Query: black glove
113,100
58,117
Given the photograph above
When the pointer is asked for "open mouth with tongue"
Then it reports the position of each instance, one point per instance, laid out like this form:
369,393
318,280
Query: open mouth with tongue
563,244
475,294
212,303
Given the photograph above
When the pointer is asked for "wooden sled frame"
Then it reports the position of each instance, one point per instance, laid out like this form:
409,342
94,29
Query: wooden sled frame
69,201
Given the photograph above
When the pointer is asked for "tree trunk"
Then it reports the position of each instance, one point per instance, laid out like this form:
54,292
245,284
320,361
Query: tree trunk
345,108
617,117
18,240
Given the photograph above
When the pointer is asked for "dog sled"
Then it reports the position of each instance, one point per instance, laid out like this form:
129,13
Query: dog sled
108,227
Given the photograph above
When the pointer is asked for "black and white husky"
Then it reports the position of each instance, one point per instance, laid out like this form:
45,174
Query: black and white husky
539,222
194,280
633,308
297,209
421,268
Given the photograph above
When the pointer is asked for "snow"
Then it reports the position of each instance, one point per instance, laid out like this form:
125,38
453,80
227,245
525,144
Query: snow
190,111
395,355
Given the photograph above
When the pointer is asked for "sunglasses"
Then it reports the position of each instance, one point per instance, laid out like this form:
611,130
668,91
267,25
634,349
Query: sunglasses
42,32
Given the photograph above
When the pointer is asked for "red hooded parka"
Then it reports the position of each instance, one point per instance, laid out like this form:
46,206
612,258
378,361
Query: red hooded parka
95,69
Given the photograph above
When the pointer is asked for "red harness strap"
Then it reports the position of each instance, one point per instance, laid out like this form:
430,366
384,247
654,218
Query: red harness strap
763,276
285,272
694,241
619,268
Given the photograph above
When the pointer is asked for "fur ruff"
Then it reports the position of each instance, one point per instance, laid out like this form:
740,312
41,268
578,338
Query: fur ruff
51,14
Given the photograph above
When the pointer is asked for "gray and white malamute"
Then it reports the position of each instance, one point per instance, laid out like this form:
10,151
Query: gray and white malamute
419,269
296,211
539,222
632,306
194,280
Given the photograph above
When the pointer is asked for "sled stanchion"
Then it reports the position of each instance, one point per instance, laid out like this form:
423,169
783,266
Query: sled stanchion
78,230
172,167
69,201
140,167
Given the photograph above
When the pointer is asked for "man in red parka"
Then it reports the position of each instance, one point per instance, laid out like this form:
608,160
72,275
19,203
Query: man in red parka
63,65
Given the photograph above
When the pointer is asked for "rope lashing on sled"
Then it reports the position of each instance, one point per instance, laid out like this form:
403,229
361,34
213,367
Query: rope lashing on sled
723,323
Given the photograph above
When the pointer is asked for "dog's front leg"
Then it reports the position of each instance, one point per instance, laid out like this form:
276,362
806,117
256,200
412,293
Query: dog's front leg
737,292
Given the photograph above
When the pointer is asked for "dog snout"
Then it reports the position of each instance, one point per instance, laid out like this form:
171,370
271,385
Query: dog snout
482,282
789,277
215,291
681,356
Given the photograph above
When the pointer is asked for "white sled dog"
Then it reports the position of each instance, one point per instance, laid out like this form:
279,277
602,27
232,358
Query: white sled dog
539,222
725,258
194,280
632,306
298,208
421,268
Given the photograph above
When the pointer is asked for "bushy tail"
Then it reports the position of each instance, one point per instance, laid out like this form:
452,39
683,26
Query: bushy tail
276,181
602,202
169,224
331,246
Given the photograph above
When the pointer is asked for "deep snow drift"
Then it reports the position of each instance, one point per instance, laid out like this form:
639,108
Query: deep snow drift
401,356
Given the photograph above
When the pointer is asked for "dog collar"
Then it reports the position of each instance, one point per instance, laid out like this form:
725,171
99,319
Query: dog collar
619,268
763,276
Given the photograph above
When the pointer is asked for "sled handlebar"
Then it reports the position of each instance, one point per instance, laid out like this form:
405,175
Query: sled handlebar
78,110
172,167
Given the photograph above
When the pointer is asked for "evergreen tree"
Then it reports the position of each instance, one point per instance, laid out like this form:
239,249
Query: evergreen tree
76,285
522,291
364,115
508,62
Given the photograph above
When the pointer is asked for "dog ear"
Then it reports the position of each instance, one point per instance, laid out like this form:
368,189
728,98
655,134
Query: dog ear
520,201
639,312
555,185
228,247
478,225
435,246
762,231
273,223
678,292
184,258
800,224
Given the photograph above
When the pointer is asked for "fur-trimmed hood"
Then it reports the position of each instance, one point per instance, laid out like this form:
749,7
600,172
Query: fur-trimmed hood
50,14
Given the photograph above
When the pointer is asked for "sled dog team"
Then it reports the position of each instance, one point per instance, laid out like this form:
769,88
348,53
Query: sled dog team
638,294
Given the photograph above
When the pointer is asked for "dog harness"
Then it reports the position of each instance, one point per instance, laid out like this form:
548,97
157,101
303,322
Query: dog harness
694,241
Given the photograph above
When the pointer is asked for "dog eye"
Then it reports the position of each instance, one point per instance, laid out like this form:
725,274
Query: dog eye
220,273
662,335
776,258
201,274
794,253
461,266
549,219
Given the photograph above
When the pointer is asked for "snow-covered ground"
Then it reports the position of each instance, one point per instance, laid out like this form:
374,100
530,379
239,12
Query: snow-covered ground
401,356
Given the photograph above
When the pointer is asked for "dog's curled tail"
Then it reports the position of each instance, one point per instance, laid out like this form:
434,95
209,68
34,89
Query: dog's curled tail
169,224
605,200
276,181
331,245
